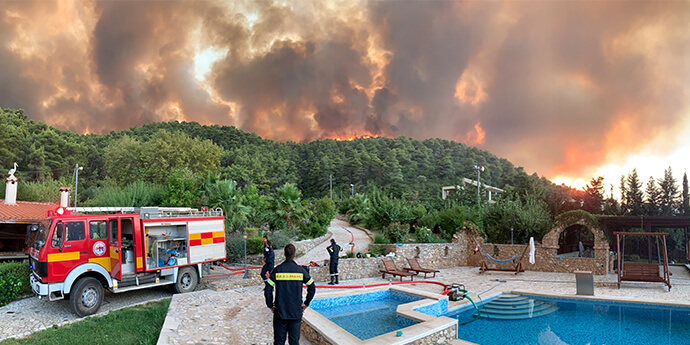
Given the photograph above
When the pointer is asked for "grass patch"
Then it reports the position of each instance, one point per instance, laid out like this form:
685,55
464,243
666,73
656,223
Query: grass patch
134,325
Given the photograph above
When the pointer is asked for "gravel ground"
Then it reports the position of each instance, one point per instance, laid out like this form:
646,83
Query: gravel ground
23,317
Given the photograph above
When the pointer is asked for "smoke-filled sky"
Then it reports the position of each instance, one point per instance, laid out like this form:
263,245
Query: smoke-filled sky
568,89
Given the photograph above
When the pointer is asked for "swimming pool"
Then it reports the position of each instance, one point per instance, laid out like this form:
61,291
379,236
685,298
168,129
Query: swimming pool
365,315
560,321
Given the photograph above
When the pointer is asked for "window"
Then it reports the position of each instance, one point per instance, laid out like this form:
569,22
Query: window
74,231
56,241
113,231
98,230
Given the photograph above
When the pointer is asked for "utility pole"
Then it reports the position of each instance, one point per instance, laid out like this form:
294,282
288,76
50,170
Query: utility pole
76,183
331,181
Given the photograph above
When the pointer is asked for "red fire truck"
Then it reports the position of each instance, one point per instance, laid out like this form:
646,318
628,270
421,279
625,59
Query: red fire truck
77,252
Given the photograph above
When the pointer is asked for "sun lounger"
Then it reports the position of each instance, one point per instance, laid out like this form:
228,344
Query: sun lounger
417,269
390,268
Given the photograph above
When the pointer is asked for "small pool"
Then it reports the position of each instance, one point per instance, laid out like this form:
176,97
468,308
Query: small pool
527,319
365,315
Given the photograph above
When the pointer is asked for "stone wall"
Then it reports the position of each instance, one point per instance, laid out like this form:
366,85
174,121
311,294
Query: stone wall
314,337
546,259
301,248
444,336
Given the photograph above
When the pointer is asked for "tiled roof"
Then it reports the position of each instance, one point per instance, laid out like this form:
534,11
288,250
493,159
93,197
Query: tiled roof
24,211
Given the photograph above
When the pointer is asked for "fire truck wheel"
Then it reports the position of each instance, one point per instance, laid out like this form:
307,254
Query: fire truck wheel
86,296
186,280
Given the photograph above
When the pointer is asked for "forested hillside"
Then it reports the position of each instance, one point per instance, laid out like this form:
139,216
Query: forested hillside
399,166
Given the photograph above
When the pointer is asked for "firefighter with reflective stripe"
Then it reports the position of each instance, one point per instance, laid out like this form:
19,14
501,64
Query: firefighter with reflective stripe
287,279
334,251
269,259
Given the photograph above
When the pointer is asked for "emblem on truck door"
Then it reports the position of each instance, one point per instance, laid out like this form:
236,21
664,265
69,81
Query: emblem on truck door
99,248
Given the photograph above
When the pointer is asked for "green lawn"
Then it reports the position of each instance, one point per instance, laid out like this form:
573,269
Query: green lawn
135,325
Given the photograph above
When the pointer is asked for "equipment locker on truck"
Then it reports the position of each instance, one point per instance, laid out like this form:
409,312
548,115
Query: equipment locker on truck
77,253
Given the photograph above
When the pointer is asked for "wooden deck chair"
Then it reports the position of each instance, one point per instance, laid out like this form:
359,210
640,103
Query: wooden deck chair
417,269
390,268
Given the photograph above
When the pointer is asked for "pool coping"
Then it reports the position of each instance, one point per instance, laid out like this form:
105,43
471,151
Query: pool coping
427,326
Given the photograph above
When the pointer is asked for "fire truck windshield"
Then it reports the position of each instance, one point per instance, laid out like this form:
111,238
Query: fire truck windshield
42,236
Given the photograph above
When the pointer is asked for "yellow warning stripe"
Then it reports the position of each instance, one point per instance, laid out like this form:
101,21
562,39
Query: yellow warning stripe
289,276
105,262
57,257
113,253
218,234
140,262
205,241
196,236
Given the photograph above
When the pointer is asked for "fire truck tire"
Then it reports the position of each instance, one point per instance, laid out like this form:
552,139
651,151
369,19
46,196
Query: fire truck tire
187,280
86,296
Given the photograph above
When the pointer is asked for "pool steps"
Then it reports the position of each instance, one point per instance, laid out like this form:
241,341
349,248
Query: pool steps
515,307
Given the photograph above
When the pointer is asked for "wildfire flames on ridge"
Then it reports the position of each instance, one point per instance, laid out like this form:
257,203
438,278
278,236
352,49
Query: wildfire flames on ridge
568,89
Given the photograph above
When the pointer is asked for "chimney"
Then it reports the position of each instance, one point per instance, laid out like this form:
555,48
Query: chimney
64,196
11,190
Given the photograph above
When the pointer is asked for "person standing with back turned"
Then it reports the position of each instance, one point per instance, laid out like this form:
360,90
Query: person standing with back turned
334,252
287,308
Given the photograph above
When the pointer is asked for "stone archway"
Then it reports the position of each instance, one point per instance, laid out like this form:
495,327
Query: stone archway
549,242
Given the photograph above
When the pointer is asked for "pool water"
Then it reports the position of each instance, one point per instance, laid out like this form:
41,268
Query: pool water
561,321
366,315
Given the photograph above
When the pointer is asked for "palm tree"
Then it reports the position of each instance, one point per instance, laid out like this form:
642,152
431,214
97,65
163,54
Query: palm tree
287,205
226,195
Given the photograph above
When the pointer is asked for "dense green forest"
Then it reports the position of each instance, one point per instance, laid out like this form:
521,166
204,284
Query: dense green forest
149,153
391,185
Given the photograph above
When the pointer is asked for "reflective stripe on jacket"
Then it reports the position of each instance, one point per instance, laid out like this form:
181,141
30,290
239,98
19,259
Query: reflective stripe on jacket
287,279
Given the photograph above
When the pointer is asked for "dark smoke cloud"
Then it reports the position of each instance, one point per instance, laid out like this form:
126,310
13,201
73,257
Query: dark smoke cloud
555,86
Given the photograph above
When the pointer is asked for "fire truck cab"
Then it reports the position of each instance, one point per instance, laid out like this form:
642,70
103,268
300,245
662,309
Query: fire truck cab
77,255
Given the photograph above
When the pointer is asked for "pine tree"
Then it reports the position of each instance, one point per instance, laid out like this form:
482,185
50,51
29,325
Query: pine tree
634,194
684,208
653,198
594,195
669,193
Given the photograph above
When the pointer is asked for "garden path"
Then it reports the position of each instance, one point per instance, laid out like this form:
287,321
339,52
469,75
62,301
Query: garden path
344,235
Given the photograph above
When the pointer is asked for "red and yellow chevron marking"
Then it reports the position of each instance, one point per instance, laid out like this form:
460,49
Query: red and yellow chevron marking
204,238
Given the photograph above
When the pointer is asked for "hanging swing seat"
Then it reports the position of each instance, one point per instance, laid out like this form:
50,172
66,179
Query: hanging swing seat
640,271
517,260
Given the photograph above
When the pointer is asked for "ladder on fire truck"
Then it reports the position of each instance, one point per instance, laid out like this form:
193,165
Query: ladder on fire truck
152,212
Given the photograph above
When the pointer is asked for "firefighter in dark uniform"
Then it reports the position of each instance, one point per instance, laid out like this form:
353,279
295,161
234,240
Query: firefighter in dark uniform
334,252
287,308
269,259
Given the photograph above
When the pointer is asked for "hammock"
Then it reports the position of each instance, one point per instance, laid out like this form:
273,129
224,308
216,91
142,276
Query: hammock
517,259
497,260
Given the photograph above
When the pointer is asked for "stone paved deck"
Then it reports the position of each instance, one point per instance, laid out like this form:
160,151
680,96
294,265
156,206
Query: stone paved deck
224,314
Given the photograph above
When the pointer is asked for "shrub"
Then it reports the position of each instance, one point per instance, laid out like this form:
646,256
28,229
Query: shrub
396,232
255,245
9,289
279,240
18,271
380,239
235,246
312,229
378,250
324,211
424,235
449,220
